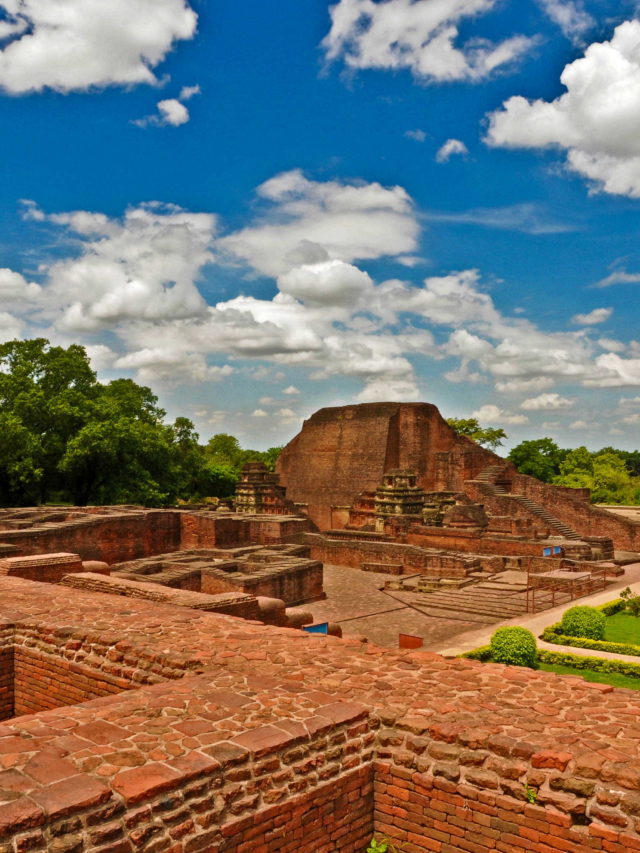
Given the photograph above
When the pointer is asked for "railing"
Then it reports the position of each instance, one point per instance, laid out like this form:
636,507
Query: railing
552,591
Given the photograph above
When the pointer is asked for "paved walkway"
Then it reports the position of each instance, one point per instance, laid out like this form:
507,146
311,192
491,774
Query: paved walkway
537,622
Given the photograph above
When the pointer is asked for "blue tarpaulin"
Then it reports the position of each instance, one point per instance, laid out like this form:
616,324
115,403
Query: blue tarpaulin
320,628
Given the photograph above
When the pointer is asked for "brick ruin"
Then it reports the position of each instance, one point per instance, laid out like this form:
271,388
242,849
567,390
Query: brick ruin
392,484
150,727
155,697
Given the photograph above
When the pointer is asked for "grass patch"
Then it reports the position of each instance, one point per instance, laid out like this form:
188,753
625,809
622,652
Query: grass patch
622,628
612,678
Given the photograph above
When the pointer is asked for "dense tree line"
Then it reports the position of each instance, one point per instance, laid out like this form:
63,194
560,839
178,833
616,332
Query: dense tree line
67,438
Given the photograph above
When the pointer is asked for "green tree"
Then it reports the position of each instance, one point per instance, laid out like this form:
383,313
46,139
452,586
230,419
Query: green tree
225,450
540,458
67,436
487,437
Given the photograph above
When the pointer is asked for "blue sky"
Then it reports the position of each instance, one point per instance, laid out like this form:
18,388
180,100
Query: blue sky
259,209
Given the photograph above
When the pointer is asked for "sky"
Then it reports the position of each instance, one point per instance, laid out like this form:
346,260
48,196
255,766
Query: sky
262,208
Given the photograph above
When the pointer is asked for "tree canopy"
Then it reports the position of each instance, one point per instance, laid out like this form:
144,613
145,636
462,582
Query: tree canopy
486,436
69,438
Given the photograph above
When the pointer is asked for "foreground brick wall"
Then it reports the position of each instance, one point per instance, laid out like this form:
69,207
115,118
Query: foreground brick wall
273,739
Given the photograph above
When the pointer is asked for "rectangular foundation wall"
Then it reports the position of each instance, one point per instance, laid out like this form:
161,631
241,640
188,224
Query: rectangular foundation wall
42,682
6,676
419,812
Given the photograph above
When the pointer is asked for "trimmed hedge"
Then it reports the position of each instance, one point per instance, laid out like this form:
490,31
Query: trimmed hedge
612,607
583,621
482,653
622,667
553,634
513,646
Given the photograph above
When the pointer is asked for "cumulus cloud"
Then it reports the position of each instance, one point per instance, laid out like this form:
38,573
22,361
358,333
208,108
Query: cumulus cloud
490,414
596,121
579,425
79,44
170,112
306,222
10,327
451,147
141,266
598,315
259,413
546,401
417,135
327,283
571,16
172,365
138,278
419,35
15,288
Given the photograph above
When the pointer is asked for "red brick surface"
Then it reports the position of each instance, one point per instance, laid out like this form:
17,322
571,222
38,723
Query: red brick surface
234,736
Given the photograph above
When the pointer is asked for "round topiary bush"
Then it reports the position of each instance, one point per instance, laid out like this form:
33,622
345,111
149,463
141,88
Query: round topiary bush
583,622
515,646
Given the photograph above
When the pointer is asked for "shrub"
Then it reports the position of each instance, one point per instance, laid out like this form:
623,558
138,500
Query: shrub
584,622
622,667
515,646
482,653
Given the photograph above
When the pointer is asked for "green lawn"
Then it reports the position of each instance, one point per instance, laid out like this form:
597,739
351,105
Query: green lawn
612,678
622,628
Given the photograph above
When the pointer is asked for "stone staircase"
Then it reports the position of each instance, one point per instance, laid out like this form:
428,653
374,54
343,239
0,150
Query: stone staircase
488,476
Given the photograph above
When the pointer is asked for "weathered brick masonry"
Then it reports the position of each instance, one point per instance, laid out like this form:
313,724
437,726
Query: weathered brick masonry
342,452
227,735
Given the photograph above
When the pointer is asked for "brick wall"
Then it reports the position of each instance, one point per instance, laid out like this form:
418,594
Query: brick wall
280,741
6,672
343,552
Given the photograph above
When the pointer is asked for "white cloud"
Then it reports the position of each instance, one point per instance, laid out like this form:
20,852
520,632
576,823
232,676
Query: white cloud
597,120
188,92
538,383
417,135
101,356
10,327
611,345
79,44
598,315
142,266
137,277
172,365
290,390
622,371
266,401
307,222
451,147
579,425
327,283
419,35
571,16
15,288
525,217
490,414
619,277
171,111
287,416
546,401
632,419
259,413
